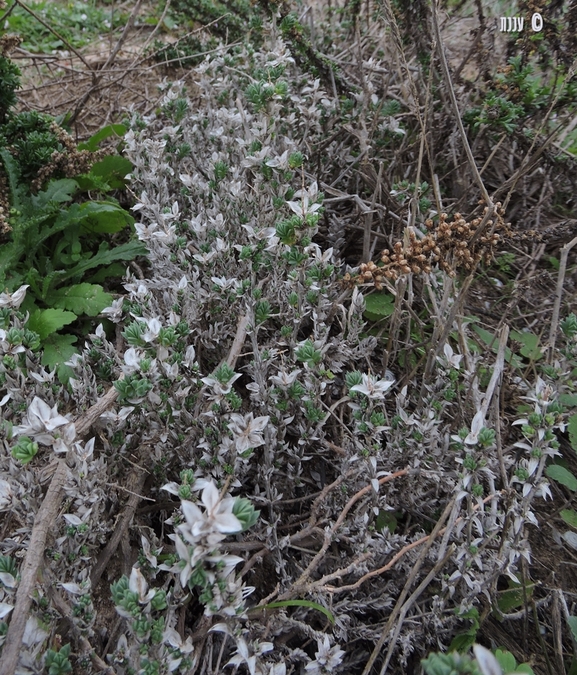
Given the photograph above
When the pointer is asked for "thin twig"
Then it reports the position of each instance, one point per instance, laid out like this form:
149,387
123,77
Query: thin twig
445,68
239,339
410,602
155,30
305,576
412,576
567,616
109,61
124,34
83,425
43,523
136,481
393,561
497,370
558,295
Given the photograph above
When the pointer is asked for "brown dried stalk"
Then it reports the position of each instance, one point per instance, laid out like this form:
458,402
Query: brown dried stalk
558,295
393,561
136,482
302,581
43,522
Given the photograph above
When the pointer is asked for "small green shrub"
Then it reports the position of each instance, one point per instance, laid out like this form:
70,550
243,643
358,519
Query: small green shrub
55,241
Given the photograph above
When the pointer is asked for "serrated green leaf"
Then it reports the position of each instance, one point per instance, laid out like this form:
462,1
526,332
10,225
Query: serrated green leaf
562,475
112,169
379,306
60,191
570,517
57,349
48,321
81,299
103,217
111,130
530,342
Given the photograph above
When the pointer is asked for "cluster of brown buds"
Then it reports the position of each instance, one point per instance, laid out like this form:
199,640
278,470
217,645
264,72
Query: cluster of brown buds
509,89
69,161
4,208
448,244
9,42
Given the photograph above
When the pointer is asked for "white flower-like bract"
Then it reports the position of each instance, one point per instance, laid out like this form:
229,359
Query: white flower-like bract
451,359
114,312
132,359
305,207
6,493
247,431
153,329
15,299
372,387
284,379
220,389
477,425
138,584
245,653
213,524
7,348
203,531
41,420
327,658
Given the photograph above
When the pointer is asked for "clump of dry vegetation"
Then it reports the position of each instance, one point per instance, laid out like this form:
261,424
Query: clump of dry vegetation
316,429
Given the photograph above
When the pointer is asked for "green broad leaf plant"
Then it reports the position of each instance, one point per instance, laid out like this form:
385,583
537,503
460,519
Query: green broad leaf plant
64,236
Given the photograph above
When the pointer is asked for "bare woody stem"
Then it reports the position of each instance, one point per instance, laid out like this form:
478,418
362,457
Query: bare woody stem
43,523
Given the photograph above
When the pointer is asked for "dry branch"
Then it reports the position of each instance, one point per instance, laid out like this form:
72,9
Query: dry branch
302,581
412,576
558,295
136,482
43,522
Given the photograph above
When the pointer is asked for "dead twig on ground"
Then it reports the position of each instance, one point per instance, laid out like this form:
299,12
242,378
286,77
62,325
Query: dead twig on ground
43,522
302,581
401,599
558,295
136,481
109,61
54,32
